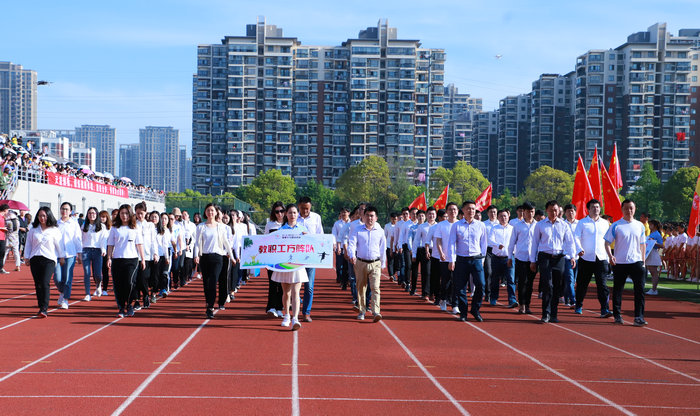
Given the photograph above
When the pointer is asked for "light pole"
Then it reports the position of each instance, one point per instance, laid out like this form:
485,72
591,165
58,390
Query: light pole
427,145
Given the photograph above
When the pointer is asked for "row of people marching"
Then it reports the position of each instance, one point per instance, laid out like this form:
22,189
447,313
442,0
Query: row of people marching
460,256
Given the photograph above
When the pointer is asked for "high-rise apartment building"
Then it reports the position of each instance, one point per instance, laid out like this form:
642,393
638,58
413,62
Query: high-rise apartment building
264,101
129,158
484,151
103,139
159,158
513,150
642,95
552,118
185,170
18,98
459,114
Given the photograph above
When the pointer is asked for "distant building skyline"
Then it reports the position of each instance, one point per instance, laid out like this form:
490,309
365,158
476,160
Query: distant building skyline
18,98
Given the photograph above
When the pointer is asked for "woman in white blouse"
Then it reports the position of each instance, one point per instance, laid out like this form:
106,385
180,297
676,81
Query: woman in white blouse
274,289
124,248
165,242
210,250
94,247
43,247
73,241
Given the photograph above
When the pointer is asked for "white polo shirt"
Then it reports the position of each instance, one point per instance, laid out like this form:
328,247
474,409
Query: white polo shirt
628,237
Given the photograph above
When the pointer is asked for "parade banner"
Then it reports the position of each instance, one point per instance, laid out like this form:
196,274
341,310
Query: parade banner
85,185
286,251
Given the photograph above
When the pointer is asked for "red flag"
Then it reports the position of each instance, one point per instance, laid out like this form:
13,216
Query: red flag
594,176
612,199
484,200
680,136
419,203
582,190
614,169
694,211
441,202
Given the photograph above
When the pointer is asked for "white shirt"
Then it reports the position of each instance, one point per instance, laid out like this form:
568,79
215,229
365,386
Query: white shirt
212,240
337,228
389,231
515,221
421,238
367,244
178,235
404,230
467,239
347,229
670,241
46,243
92,239
628,237
272,226
552,238
395,234
124,240
434,253
521,240
148,236
590,238
72,236
489,224
190,233
312,223
500,236
163,243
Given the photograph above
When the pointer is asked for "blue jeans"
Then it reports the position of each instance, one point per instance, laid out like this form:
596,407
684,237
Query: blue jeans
92,259
308,292
63,276
570,283
464,268
500,270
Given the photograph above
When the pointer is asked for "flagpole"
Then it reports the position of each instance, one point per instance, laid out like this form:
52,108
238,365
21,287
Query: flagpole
427,153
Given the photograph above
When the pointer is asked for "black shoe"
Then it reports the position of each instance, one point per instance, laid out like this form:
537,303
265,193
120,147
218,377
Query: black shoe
210,313
513,305
528,311
463,319
554,320
477,316
545,319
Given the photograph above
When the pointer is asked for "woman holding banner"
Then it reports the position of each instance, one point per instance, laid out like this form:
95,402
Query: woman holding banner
274,292
291,281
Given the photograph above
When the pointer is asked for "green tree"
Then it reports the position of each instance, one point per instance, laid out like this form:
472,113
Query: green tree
647,192
466,182
323,200
368,181
506,201
266,189
547,183
677,193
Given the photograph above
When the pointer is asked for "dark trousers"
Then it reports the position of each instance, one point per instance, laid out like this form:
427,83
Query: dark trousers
525,278
396,257
3,247
163,265
464,268
105,274
389,262
340,264
404,277
232,279
211,270
587,269
434,278
446,287
488,271
274,293
425,263
175,270
552,279
414,275
154,276
141,284
636,272
223,280
499,271
124,274
42,270
186,269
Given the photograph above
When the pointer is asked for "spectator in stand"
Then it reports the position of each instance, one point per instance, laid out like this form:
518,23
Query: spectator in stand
3,236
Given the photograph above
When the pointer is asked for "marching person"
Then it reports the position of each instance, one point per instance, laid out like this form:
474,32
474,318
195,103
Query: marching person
442,242
43,248
413,247
490,221
434,253
422,246
467,243
629,237
570,274
148,236
274,289
211,249
341,272
124,249
367,253
654,260
312,222
593,259
164,246
519,247
106,222
189,233
94,244
498,240
388,233
552,240
72,240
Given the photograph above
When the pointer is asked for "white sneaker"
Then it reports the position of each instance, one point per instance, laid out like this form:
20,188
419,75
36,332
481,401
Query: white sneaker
286,320
64,305
97,293
652,292
295,324
361,316
443,305
87,298
272,313
199,276
228,298
455,310
60,300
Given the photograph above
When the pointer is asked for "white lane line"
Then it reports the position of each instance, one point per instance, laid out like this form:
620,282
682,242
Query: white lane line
679,290
420,365
57,351
17,297
31,317
158,370
553,371
295,375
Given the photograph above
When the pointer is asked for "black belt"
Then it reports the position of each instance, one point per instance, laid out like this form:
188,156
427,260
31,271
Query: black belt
470,257
552,256
500,257
368,261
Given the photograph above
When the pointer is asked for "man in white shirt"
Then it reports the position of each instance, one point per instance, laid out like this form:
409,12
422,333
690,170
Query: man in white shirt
629,237
498,240
467,244
519,248
341,272
150,251
356,217
398,246
570,273
593,259
413,250
489,222
442,242
552,243
388,232
312,221
367,253
421,246
432,250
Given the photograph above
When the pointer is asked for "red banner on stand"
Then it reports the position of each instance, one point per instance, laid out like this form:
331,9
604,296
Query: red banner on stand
85,185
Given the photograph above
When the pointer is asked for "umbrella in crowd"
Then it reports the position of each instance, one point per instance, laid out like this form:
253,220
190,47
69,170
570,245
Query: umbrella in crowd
125,179
48,159
86,171
108,175
14,204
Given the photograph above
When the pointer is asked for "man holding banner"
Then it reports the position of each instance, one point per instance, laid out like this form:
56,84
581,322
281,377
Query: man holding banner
367,254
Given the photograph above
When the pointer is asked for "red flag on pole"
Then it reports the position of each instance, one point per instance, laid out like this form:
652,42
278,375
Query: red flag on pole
484,200
613,206
694,211
441,202
594,176
582,190
419,203
614,170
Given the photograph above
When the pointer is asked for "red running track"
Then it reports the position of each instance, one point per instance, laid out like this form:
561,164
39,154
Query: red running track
171,360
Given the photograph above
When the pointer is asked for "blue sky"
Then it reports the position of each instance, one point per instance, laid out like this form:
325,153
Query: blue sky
130,63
